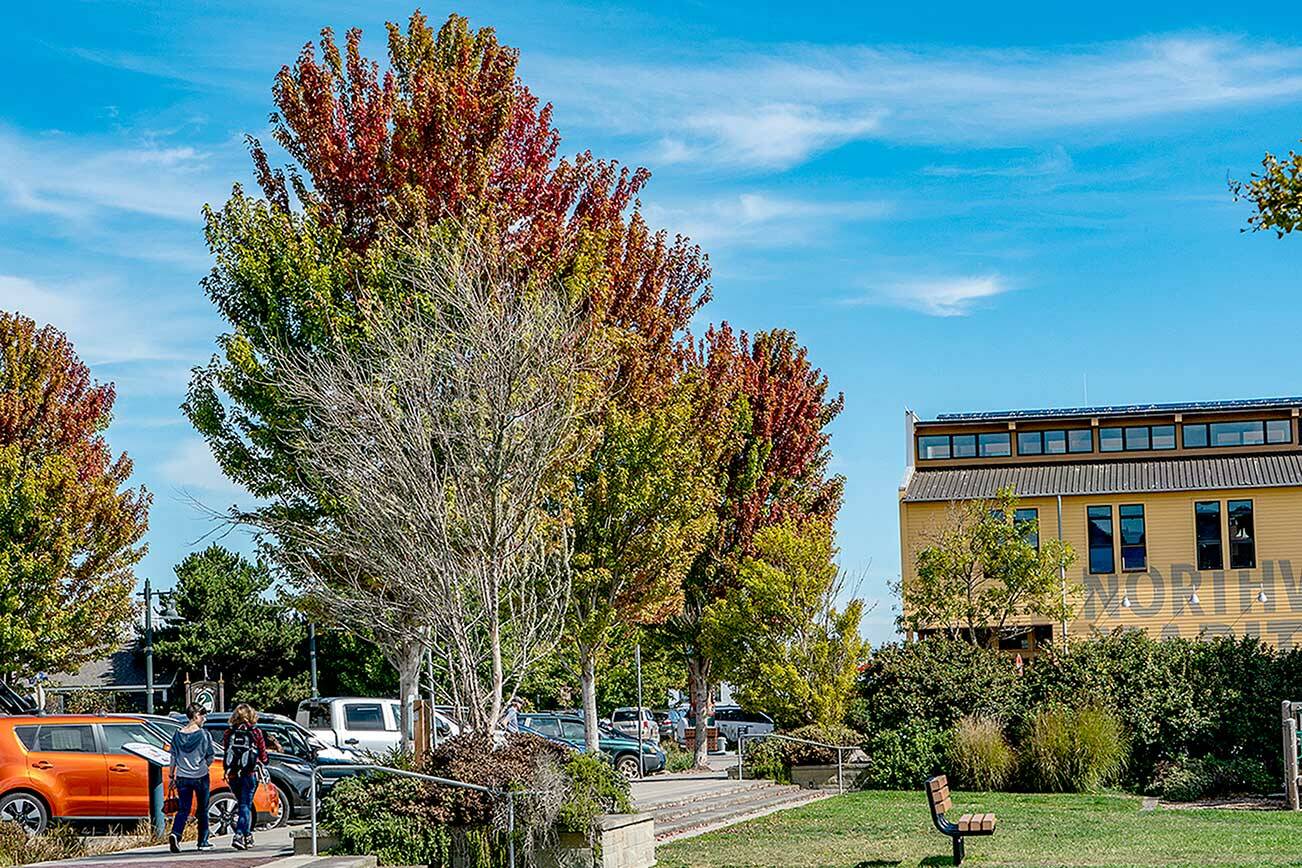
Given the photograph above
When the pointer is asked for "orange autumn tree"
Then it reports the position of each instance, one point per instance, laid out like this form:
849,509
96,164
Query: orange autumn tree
70,531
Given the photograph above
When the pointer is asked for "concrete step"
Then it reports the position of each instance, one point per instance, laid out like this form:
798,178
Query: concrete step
714,792
708,814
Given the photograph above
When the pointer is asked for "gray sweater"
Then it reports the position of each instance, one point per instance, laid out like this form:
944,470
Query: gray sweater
192,753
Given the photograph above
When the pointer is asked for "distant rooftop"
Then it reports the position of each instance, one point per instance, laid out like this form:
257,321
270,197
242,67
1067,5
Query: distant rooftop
1123,410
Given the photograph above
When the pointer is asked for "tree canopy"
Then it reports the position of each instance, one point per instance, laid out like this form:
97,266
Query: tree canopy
70,531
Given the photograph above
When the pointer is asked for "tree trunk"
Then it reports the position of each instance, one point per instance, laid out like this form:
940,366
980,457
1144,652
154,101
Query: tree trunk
495,637
588,681
408,667
698,673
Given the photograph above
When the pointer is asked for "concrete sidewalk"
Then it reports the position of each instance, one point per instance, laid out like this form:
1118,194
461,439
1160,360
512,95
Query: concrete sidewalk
270,845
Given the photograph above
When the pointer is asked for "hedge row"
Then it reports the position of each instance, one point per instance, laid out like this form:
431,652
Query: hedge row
1176,699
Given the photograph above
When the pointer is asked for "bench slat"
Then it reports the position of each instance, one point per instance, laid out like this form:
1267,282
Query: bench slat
944,805
939,782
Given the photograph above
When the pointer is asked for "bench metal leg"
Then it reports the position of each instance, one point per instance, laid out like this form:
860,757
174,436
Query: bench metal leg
959,852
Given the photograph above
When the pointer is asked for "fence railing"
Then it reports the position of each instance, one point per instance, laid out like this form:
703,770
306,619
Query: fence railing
508,795
839,748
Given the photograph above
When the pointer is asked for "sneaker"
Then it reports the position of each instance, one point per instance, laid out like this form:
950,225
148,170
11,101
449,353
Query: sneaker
174,843
248,840
238,843
205,846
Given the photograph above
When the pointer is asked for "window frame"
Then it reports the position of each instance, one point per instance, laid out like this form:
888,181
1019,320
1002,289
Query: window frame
1252,539
348,722
949,447
1184,441
1070,450
1142,545
1035,517
1112,540
1039,438
1121,433
1199,541
1289,440
1008,439
1211,444
1152,441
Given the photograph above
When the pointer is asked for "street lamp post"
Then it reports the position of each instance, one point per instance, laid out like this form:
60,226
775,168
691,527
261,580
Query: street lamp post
168,614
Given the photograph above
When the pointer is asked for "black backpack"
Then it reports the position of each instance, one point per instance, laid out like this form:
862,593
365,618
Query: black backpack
241,752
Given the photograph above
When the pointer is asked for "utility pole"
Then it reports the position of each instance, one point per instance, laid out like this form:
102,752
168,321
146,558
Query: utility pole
149,649
311,656
637,663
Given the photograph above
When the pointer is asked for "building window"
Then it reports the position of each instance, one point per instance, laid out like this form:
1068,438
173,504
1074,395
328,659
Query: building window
1134,546
1080,440
964,445
994,445
1030,443
1055,442
1279,431
1163,436
1207,531
933,446
1195,436
1137,439
1102,559
1027,520
1237,433
1110,440
1243,545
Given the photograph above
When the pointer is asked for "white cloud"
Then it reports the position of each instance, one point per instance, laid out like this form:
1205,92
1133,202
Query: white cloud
769,219
1054,162
104,326
190,466
79,178
773,107
946,297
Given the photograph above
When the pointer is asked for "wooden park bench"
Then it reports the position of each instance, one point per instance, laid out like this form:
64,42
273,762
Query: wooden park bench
968,824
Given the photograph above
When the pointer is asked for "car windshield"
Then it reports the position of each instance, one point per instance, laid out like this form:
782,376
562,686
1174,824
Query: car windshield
625,714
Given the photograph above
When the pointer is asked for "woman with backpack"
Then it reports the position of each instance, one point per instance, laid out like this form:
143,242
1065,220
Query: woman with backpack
192,754
244,749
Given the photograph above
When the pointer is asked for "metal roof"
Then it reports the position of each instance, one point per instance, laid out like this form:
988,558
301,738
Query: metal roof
1107,477
1123,410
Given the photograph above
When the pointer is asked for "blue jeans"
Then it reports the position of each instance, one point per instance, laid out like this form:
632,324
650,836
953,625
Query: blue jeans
190,790
244,786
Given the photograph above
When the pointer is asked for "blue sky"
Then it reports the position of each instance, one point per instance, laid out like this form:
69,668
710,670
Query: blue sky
957,207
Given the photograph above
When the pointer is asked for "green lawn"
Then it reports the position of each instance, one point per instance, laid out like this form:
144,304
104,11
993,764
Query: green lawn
894,828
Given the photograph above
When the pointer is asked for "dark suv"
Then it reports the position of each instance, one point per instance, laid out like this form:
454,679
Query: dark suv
619,748
291,757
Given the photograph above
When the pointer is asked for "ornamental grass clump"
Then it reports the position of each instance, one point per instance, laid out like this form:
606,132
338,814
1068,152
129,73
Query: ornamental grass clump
980,755
1074,751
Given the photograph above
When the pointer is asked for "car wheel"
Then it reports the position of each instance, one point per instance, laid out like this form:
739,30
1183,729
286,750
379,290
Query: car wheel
627,765
27,810
281,817
222,813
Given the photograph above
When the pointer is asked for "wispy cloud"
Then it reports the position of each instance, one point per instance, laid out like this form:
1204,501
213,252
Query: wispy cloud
1055,162
79,178
190,466
945,297
774,107
105,326
771,219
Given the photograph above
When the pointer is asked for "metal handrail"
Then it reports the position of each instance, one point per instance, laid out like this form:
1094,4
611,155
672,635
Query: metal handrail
741,748
447,782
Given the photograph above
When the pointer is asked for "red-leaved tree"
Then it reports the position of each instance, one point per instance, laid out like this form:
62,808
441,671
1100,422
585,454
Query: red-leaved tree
69,531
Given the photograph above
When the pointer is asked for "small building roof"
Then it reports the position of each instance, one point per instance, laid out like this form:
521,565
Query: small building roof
123,670
1124,410
1106,477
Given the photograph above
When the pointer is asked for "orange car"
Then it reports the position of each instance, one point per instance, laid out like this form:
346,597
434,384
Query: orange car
73,767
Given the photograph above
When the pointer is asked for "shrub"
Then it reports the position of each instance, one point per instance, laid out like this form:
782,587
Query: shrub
808,754
677,759
1074,751
593,788
980,756
1187,780
767,758
904,757
19,848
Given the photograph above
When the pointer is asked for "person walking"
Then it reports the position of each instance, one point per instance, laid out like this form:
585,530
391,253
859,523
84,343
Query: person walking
244,751
192,754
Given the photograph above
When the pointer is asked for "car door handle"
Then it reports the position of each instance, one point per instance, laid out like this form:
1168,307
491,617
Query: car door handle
350,741
42,764
120,767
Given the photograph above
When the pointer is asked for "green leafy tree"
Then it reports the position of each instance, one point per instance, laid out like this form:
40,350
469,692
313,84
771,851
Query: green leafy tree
1275,192
233,626
779,635
643,508
70,531
983,575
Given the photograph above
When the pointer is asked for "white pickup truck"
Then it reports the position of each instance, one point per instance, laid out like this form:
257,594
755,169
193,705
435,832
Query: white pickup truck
362,724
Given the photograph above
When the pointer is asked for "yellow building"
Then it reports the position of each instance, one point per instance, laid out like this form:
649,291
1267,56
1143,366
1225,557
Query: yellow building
1186,519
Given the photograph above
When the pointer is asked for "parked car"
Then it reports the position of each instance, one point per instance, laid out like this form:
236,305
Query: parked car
74,767
361,724
733,720
626,720
671,724
619,748
292,753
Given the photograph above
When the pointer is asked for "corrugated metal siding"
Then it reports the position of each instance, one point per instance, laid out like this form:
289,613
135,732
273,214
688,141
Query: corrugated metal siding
1110,477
